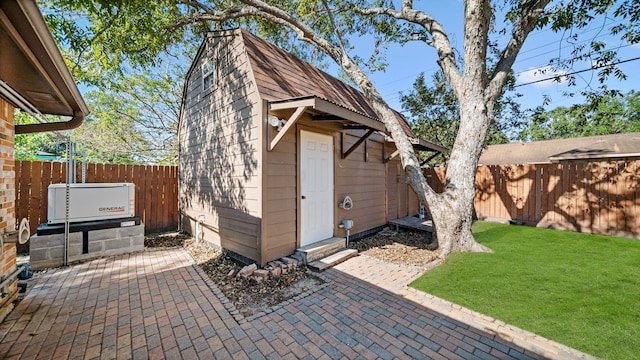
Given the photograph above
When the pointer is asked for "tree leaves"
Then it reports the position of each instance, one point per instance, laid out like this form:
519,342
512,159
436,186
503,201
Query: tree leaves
610,114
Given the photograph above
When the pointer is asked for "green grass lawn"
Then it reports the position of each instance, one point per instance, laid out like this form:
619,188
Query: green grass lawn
578,289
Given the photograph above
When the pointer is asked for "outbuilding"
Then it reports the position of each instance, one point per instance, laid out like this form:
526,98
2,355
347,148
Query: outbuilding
276,154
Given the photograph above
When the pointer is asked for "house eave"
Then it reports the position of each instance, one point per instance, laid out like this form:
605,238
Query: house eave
34,69
424,145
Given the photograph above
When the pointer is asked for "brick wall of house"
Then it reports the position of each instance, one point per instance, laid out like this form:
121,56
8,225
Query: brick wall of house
7,203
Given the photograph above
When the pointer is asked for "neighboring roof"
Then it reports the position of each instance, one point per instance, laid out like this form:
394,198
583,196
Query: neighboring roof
281,76
32,68
585,148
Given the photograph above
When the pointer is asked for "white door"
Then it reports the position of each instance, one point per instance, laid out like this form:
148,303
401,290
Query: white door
316,182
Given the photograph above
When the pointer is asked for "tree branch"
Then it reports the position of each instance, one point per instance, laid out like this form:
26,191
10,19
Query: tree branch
521,30
333,25
440,40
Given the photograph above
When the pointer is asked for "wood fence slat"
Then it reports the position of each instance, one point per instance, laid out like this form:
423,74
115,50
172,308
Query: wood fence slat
564,215
36,193
580,194
140,191
165,196
108,173
128,170
156,204
496,202
556,195
612,193
504,192
601,201
539,190
492,198
586,195
532,194
45,181
491,189
636,202
624,199
611,196
22,210
175,215
482,200
573,181
159,198
617,184
116,176
627,201
544,190
594,197
520,181
99,173
115,173
148,192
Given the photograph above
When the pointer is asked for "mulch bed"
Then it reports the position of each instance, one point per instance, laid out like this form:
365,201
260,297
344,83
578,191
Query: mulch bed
401,247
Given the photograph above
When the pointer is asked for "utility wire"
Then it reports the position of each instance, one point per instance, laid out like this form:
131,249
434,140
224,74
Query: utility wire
579,71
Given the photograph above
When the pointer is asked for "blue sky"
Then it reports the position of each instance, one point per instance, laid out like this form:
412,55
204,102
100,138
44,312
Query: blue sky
406,62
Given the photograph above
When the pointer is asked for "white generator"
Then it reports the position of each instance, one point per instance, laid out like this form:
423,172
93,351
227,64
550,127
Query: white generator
88,202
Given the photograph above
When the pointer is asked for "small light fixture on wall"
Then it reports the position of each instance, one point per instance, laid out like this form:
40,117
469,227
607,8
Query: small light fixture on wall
276,122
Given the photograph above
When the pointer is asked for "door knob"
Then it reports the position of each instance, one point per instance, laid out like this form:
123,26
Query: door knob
303,197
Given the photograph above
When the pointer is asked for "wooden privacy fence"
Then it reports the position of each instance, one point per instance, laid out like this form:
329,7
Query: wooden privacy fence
156,189
594,197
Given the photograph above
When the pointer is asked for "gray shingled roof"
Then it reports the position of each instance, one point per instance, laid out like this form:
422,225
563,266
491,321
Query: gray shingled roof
586,148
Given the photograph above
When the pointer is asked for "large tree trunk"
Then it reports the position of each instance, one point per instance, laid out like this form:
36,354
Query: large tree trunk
452,211
452,222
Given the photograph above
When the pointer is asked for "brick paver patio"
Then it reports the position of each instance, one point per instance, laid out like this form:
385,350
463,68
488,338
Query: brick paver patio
156,305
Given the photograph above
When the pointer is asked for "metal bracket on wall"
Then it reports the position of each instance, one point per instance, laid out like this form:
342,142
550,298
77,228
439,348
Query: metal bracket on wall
354,146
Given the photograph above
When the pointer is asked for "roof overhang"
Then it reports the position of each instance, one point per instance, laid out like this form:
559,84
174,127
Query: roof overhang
34,75
424,145
324,110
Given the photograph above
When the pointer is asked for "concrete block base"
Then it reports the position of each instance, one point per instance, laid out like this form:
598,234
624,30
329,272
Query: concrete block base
47,251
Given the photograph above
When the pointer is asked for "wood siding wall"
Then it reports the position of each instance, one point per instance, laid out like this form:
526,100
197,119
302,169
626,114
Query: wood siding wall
362,176
373,186
219,144
156,189
592,197
401,199
280,198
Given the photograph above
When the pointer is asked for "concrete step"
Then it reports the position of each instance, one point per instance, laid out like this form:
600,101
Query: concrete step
332,260
320,249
